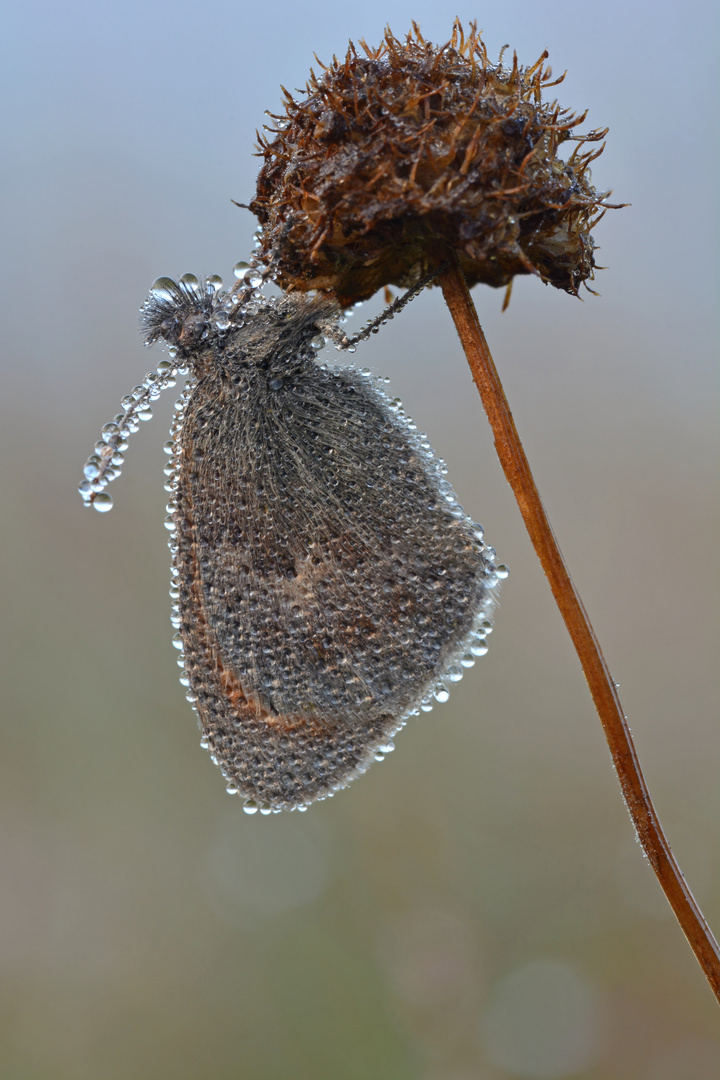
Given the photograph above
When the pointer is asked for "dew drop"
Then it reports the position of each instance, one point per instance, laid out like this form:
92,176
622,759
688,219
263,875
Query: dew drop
103,502
252,279
92,467
164,288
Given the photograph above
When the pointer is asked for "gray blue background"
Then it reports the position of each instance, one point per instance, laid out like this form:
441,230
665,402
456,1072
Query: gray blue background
476,907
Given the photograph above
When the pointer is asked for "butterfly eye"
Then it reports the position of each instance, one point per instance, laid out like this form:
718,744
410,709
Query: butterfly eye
193,330
170,330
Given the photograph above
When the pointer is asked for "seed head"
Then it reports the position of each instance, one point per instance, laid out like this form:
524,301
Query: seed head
396,158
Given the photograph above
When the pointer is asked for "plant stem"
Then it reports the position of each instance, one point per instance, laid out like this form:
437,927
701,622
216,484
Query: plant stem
602,687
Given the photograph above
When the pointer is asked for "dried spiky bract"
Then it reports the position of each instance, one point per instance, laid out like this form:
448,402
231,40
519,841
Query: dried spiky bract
394,158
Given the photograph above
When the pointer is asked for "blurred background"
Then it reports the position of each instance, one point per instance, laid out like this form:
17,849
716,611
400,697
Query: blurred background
476,907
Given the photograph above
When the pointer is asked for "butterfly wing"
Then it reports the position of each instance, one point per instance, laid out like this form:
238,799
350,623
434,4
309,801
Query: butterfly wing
328,576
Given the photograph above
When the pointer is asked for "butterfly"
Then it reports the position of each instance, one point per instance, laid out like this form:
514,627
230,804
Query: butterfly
326,582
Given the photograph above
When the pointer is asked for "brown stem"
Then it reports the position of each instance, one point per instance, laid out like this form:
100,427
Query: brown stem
602,687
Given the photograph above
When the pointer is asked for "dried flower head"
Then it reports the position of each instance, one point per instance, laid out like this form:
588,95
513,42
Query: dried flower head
395,158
